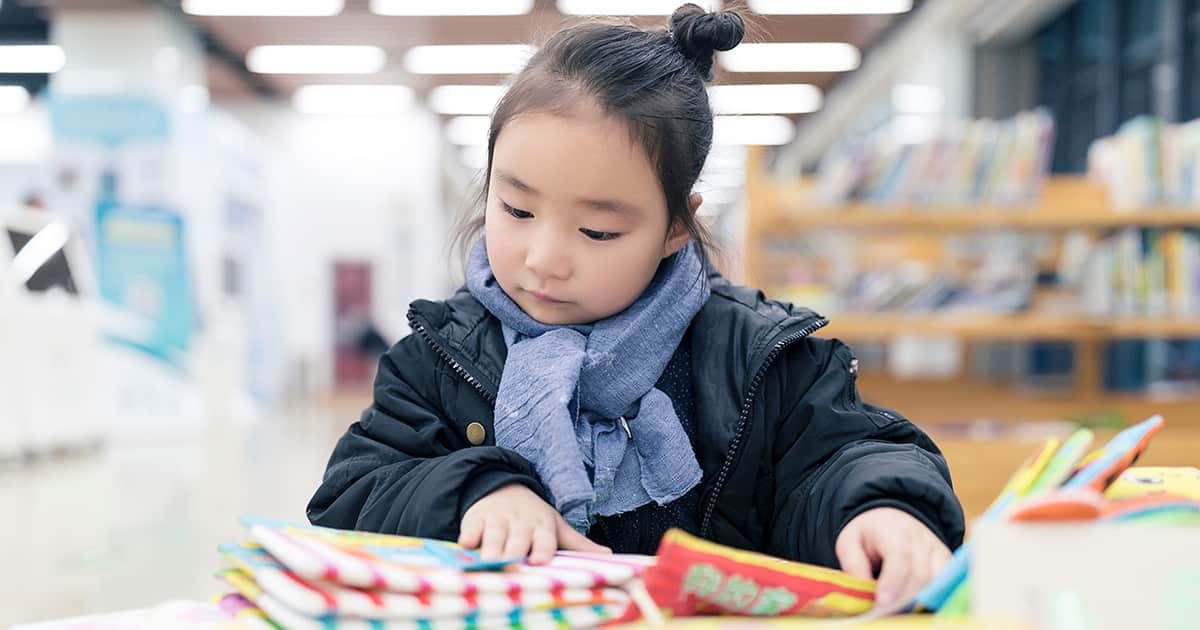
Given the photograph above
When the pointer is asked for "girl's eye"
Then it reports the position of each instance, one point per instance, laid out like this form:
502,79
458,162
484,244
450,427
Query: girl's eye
516,213
599,236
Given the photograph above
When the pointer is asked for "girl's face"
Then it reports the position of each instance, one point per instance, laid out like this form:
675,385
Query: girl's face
576,221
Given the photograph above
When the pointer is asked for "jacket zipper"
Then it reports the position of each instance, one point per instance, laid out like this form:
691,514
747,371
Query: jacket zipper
445,356
853,403
851,385
744,416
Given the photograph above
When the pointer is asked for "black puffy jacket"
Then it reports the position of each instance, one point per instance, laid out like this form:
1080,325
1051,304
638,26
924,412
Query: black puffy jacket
790,453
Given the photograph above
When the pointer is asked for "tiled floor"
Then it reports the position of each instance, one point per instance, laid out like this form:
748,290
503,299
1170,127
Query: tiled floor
128,527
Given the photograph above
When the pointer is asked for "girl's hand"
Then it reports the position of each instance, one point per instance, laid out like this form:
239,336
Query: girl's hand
514,521
894,545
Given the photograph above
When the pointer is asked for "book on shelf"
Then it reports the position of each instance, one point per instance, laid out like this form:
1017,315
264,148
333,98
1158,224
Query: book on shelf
1149,163
1142,273
963,163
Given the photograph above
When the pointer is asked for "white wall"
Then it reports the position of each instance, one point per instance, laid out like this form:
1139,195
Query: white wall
351,188
25,145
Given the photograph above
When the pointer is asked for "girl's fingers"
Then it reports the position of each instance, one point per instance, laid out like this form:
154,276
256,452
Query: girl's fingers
894,578
495,532
520,537
472,532
568,538
938,559
853,557
545,543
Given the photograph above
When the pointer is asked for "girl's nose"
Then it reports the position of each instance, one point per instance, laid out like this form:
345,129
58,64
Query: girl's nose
548,257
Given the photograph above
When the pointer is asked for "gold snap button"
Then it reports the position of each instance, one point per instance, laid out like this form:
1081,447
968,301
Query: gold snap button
476,433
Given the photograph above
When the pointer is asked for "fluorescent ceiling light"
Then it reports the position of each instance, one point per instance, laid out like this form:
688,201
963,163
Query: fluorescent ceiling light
361,100
468,130
451,7
914,98
316,59
264,7
830,7
31,59
788,98
752,130
465,99
628,7
467,58
792,57
13,99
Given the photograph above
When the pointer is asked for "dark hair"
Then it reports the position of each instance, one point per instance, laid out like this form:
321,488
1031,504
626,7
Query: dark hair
653,80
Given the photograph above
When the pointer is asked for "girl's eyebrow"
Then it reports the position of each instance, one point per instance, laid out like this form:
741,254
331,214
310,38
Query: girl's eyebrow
512,180
608,205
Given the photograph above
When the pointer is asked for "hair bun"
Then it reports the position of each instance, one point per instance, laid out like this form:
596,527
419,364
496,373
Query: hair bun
696,34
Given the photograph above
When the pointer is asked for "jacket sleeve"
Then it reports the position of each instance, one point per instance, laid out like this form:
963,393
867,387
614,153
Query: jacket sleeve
405,466
837,457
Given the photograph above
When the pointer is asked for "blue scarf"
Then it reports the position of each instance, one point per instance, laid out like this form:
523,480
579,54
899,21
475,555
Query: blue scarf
573,400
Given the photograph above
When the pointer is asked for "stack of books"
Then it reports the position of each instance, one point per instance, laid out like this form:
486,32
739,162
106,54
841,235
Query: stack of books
300,576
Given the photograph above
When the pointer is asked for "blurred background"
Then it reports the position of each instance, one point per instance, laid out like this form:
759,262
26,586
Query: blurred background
214,213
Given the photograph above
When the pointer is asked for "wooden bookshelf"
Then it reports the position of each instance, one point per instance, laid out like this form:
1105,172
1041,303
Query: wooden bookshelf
780,209
1007,327
1066,203
982,218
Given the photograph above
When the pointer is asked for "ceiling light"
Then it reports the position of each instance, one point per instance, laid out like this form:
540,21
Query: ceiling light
628,7
350,100
468,130
31,59
465,99
830,7
792,57
13,99
753,130
789,98
263,7
467,58
914,98
316,59
451,7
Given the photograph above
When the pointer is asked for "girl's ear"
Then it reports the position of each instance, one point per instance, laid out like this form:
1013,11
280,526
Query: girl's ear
678,235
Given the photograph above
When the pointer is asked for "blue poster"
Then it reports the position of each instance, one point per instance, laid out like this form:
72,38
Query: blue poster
142,268
141,262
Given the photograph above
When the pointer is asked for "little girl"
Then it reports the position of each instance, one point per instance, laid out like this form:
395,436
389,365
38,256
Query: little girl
596,382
